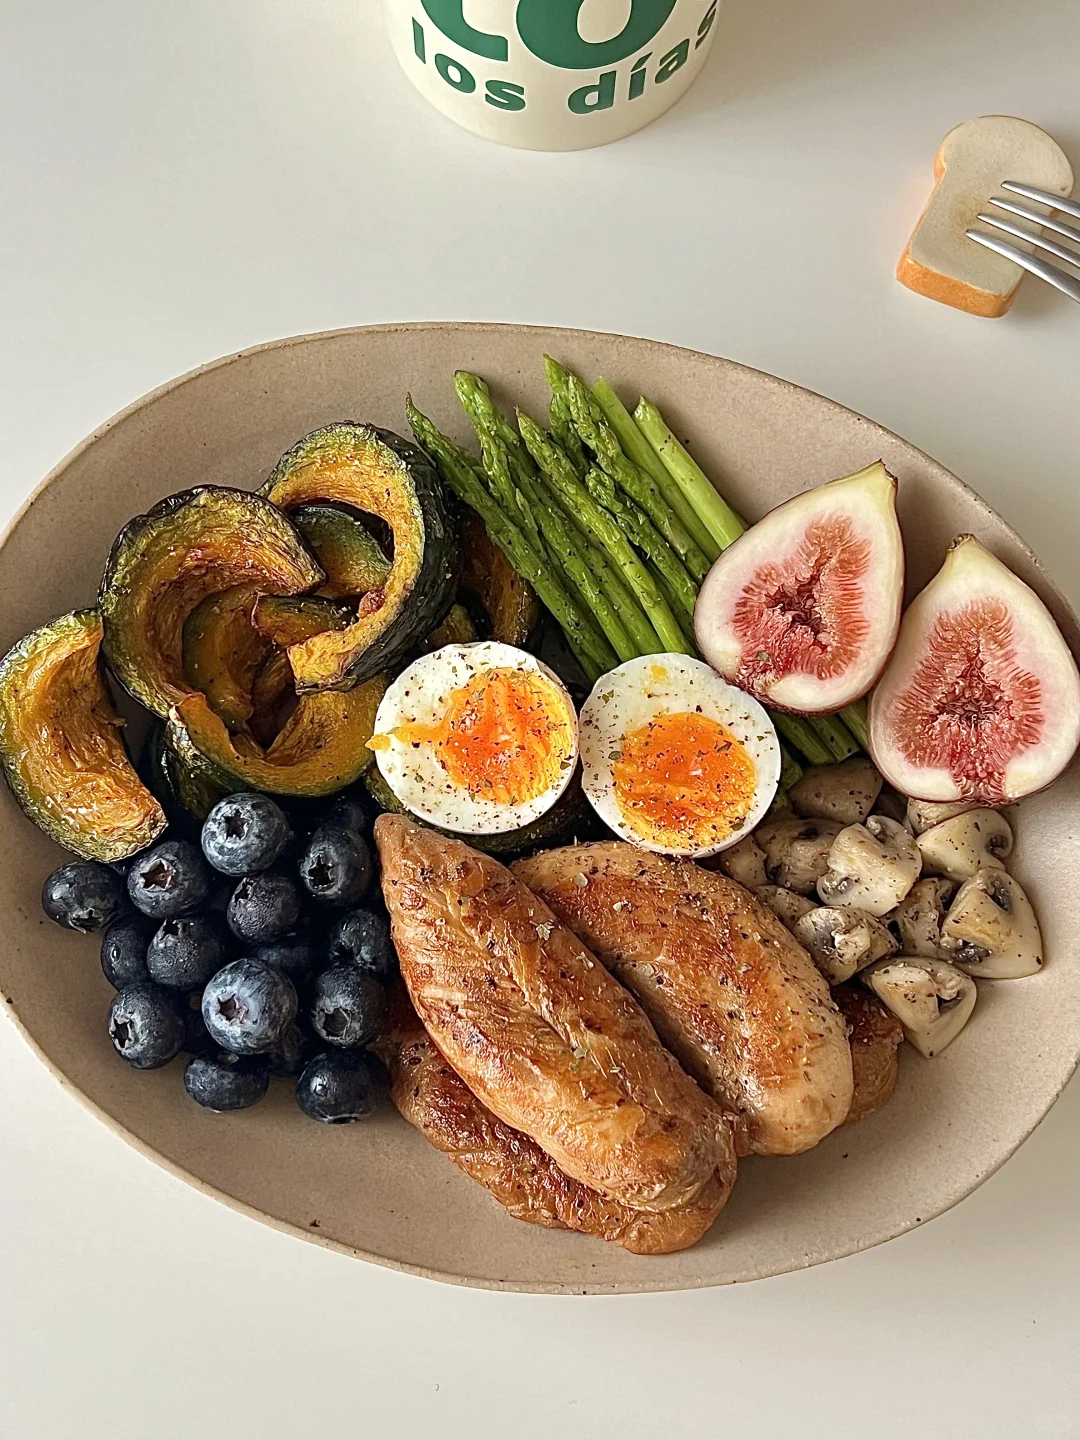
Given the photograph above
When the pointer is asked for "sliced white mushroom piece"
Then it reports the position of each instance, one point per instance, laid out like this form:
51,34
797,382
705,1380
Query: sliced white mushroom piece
917,920
744,862
925,814
991,930
965,843
844,792
787,905
932,999
796,851
841,941
871,867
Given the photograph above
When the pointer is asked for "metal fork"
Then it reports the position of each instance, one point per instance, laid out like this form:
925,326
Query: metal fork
1067,284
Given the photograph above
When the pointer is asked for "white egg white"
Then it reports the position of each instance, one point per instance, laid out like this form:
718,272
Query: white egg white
628,698
420,696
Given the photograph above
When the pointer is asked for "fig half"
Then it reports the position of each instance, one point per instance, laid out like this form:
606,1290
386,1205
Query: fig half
803,610
981,700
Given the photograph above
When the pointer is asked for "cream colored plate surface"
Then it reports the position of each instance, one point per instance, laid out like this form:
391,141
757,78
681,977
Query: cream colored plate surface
377,1190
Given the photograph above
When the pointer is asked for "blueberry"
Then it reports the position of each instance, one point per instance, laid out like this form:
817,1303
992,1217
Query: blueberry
297,954
187,951
123,951
348,1007
169,880
290,1055
336,866
197,1039
145,1026
217,902
223,1081
264,907
362,938
347,812
248,1007
84,896
245,833
337,1088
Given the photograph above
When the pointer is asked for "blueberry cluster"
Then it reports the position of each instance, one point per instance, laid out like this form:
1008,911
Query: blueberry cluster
253,955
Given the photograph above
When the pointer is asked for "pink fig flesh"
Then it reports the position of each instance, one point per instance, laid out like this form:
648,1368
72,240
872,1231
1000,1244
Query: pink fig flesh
803,610
981,700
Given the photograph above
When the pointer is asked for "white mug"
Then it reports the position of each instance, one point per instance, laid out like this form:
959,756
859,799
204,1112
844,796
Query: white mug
552,74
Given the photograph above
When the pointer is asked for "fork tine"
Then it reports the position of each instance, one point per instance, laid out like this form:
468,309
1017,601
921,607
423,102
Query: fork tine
1041,242
1043,197
1058,226
1050,273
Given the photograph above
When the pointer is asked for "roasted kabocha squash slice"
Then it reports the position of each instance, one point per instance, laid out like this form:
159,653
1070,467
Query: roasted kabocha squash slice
456,629
223,650
165,563
61,748
286,620
186,787
508,601
322,747
380,474
353,559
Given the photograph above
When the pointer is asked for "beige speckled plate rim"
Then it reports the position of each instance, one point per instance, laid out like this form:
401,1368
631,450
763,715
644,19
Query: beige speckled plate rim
252,1212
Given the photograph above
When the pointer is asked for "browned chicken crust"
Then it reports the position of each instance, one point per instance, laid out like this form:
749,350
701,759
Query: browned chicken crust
512,1168
875,1035
735,997
539,1031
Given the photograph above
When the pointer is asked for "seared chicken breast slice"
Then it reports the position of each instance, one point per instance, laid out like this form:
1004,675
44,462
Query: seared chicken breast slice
729,990
540,1032
524,1179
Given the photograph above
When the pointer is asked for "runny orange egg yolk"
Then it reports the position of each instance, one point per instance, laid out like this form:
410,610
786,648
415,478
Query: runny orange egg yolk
505,736
684,781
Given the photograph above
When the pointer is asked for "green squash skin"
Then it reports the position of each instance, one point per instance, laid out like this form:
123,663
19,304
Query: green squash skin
384,637
248,521
570,818
73,834
351,556
186,789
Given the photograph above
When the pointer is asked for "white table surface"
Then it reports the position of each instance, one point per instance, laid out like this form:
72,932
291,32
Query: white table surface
180,180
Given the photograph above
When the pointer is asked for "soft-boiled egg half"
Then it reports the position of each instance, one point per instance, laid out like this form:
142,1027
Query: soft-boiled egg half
674,758
478,738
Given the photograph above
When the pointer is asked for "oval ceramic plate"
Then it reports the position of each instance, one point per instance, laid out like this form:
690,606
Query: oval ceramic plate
378,1190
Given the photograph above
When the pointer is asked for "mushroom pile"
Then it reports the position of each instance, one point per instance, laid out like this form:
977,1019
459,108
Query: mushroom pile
912,899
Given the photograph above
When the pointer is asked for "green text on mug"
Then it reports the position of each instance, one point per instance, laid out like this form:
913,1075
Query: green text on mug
552,74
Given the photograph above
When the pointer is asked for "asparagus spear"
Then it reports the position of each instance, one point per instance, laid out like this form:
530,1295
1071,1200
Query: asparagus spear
643,533
592,425
855,719
790,769
457,471
564,434
722,522
496,471
569,546
637,624
560,473
798,731
638,449
837,737
685,625
475,397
